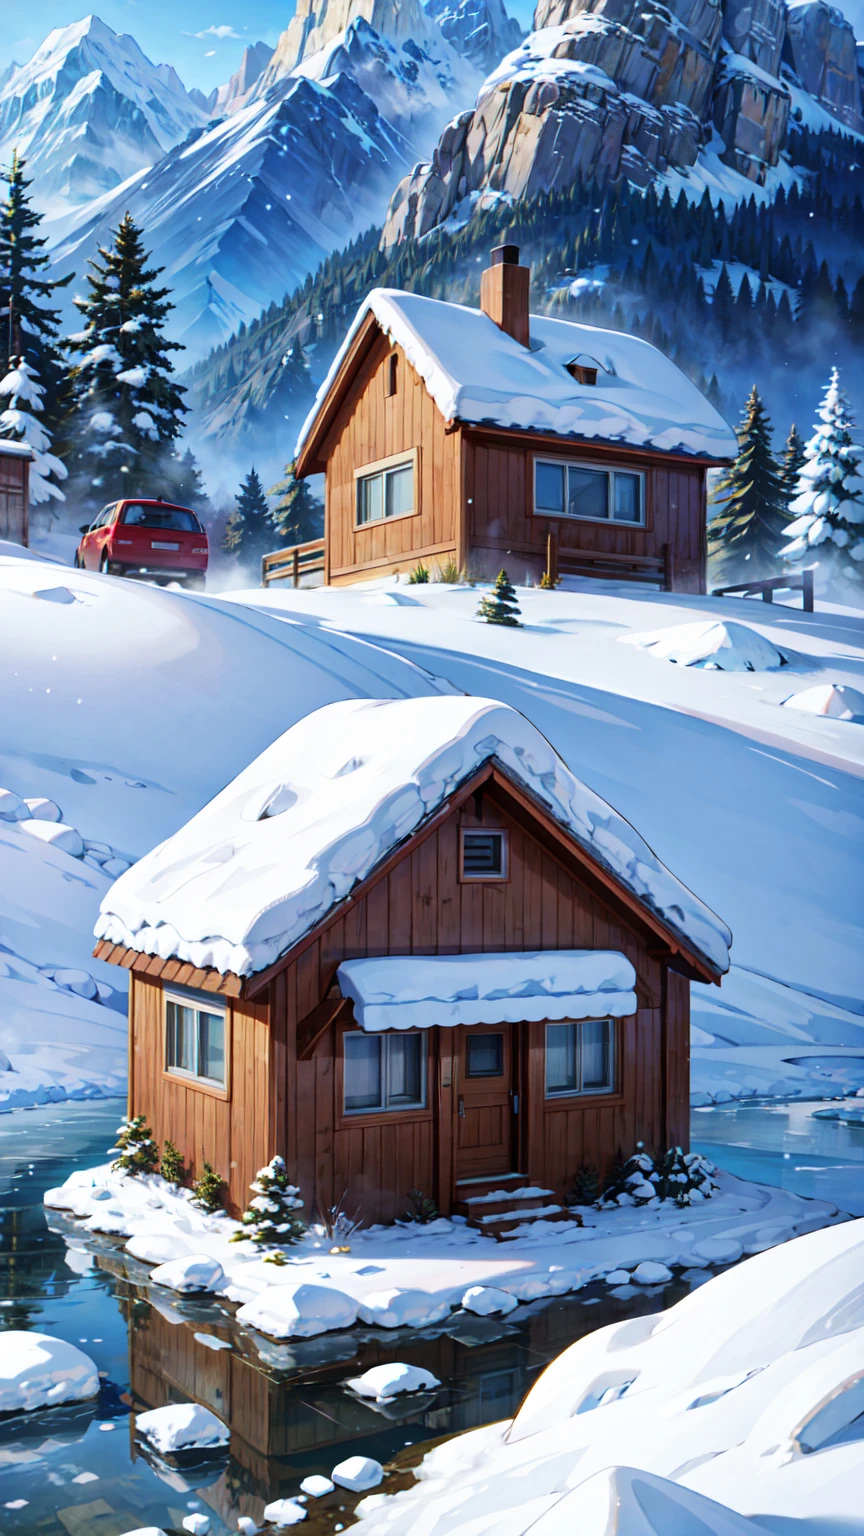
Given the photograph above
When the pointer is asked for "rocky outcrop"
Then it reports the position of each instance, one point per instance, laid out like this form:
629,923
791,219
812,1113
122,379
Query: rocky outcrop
235,92
755,29
751,113
316,23
479,29
820,48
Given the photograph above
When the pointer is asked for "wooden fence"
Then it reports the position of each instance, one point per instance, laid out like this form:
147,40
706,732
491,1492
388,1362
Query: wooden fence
291,564
801,582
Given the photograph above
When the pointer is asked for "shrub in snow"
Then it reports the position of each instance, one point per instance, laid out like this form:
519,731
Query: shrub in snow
271,1216
191,1273
173,1168
316,1486
828,510
402,1309
687,1178
284,1512
487,1300
423,1210
384,1382
208,1191
500,606
586,1186
180,1427
37,1371
138,1151
358,1473
298,1311
419,577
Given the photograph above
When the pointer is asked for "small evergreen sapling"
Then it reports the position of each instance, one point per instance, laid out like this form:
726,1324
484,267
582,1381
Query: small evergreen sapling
500,606
173,1167
271,1217
138,1151
207,1191
685,1177
423,1209
792,463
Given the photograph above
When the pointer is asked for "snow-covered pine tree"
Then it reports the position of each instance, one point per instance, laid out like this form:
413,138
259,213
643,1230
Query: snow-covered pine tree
32,390
298,515
271,1216
746,533
138,1151
828,511
499,606
126,408
248,531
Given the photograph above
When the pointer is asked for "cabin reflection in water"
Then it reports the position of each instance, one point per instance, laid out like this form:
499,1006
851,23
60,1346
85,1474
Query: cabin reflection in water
290,1414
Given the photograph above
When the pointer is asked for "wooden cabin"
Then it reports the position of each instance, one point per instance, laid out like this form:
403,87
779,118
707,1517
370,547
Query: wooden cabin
15,461
406,950
487,437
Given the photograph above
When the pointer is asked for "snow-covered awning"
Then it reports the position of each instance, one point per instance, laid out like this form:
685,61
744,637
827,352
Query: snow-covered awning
418,991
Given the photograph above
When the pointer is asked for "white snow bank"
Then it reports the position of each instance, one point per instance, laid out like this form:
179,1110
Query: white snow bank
196,1272
318,811
358,1473
383,1382
726,647
746,1393
37,1371
476,372
298,1311
835,700
417,992
396,1308
488,1300
181,1427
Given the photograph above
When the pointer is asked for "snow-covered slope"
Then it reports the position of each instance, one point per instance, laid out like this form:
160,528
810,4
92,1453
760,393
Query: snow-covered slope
129,707
89,110
741,1404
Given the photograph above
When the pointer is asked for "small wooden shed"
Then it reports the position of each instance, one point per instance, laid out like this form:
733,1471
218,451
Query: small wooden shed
407,949
15,461
489,437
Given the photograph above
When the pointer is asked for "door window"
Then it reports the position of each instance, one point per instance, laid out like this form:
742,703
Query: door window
484,1055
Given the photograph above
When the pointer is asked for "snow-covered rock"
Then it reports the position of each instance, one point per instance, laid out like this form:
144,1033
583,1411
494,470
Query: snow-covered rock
197,1524
724,647
298,1311
181,1427
195,1272
383,1382
284,1512
158,1247
56,834
835,700
12,807
316,1486
648,1273
402,1309
488,1300
44,810
358,1473
37,1371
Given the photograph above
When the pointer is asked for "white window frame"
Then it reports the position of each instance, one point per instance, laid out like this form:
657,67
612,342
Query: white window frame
201,1004
383,467
579,1092
470,875
598,469
383,1039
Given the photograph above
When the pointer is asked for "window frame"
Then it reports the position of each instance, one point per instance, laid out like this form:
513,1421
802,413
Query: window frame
385,1116
411,456
557,1095
203,1002
610,471
468,877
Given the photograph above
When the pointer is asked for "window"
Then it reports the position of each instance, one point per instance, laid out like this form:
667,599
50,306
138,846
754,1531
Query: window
384,1072
139,515
485,1056
391,374
580,491
104,517
580,1058
194,1040
484,854
389,492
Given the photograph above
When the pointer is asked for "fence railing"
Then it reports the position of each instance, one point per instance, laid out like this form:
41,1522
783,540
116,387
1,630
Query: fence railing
801,582
291,564
571,561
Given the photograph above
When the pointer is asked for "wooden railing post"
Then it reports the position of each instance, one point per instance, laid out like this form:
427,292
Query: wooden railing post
767,595
552,558
668,568
807,590
296,566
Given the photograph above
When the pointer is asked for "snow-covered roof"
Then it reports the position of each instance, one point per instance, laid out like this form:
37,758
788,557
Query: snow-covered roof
15,450
320,808
417,991
479,374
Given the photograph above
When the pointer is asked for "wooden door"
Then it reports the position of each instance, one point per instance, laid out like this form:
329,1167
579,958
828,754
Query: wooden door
483,1090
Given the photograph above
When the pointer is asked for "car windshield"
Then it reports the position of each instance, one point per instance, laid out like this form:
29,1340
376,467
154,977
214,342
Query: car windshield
139,514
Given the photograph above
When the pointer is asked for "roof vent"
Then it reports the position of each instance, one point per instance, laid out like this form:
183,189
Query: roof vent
583,369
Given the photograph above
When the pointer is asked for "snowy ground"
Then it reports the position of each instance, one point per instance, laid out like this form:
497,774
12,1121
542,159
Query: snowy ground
736,1411
758,807
409,1275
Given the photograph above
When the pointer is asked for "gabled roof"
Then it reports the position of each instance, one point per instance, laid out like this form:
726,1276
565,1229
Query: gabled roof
290,838
479,375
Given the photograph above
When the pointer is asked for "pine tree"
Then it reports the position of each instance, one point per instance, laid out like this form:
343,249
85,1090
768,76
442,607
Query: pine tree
746,533
500,606
791,464
208,1190
298,515
828,511
126,409
271,1216
33,388
138,1151
173,1168
248,531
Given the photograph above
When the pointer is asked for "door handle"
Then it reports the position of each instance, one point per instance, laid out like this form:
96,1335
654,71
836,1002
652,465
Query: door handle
461,1107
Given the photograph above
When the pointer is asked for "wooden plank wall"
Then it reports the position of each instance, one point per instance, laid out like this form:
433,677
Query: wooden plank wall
13,498
498,483
231,1134
421,908
372,426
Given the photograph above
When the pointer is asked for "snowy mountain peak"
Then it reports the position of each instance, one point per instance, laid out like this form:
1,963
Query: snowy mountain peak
235,92
317,23
88,110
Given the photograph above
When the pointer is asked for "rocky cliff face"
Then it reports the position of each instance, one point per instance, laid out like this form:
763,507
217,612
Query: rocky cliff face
479,29
611,88
231,96
316,23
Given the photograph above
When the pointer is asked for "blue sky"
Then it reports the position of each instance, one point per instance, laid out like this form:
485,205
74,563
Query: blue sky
203,42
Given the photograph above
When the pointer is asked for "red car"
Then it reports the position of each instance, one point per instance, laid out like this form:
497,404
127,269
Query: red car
152,539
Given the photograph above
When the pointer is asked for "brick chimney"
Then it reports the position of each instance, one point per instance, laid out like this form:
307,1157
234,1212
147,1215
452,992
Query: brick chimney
504,292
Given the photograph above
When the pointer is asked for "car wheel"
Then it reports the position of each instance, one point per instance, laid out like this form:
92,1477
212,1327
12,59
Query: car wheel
103,564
